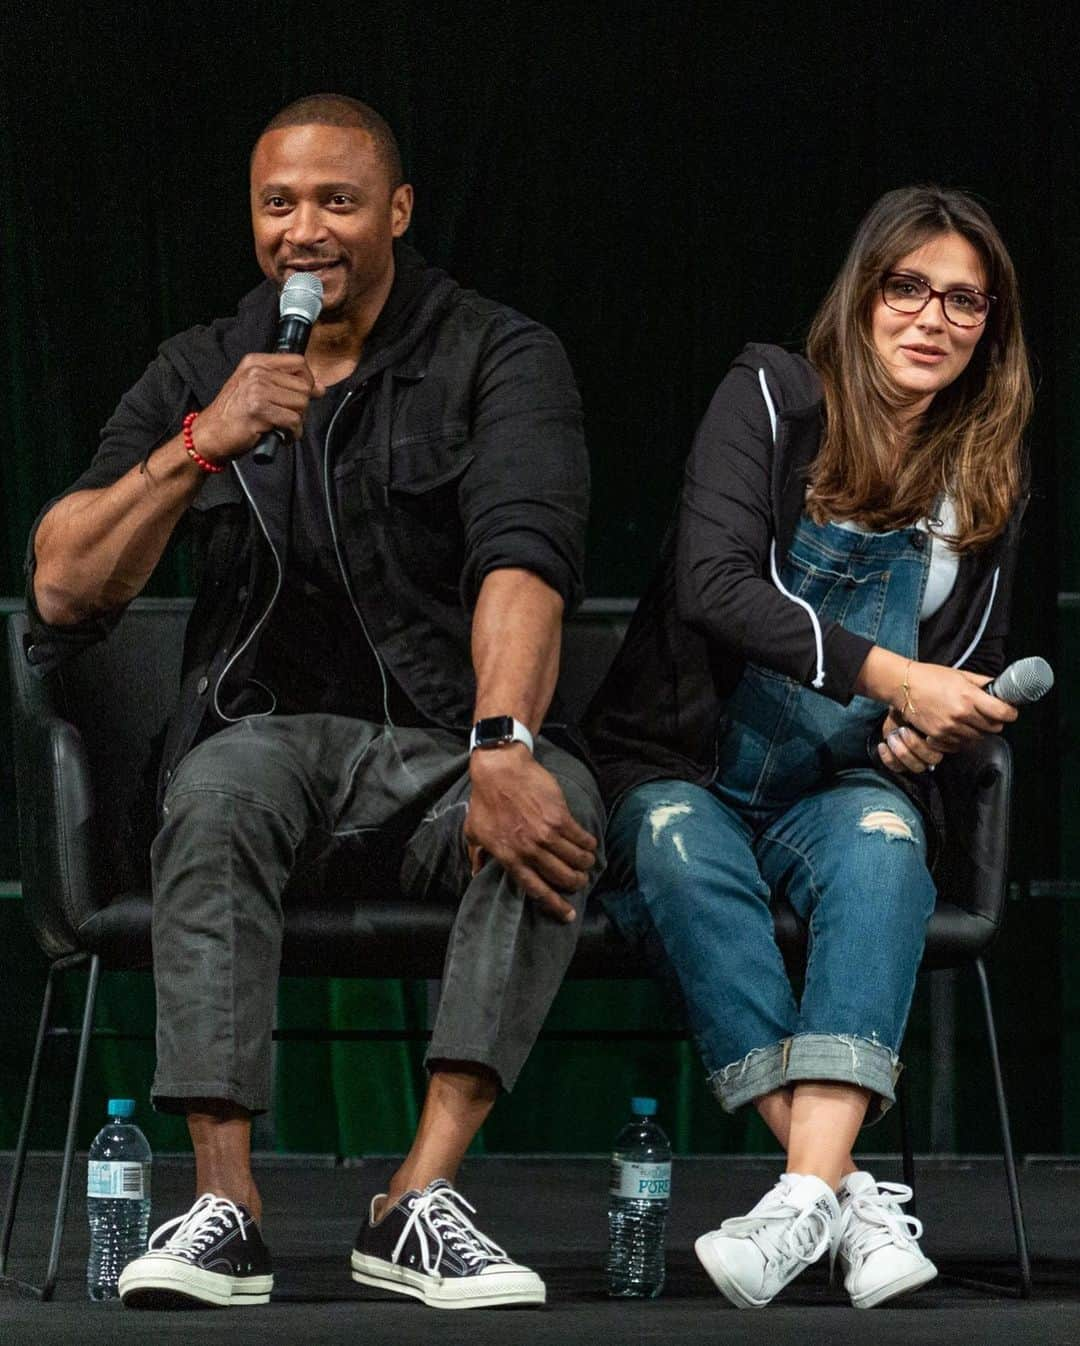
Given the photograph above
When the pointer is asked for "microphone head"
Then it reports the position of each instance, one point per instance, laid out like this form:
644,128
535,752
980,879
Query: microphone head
301,297
1024,681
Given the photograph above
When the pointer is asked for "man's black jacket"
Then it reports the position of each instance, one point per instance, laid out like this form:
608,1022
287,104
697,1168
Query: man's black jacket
459,450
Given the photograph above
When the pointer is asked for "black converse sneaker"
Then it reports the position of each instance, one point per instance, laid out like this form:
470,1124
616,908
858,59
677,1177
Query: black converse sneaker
426,1246
211,1255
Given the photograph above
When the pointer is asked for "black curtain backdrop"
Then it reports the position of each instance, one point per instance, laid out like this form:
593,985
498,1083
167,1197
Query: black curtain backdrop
658,182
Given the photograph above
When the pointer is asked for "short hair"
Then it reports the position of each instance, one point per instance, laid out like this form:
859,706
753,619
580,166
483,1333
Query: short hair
338,109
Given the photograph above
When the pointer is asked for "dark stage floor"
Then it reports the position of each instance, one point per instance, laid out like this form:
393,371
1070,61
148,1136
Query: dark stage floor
550,1213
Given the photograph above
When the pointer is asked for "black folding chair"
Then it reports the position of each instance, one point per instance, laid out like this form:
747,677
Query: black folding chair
85,742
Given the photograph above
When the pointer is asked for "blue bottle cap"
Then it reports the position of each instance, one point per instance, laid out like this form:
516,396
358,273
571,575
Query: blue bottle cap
121,1107
643,1107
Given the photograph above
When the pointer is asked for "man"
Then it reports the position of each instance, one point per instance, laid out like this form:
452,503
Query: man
399,575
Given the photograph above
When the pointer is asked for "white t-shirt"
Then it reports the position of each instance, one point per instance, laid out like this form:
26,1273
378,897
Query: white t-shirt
944,561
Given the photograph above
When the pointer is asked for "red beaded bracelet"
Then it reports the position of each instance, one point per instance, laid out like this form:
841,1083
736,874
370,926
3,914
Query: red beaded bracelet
192,452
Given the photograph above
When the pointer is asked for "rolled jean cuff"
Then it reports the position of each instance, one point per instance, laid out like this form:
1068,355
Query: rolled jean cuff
838,1057
847,1059
758,1072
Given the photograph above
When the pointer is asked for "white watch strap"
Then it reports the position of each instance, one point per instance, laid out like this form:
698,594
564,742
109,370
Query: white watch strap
519,734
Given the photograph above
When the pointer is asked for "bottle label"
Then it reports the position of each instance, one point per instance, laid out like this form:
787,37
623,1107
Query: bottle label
642,1182
112,1179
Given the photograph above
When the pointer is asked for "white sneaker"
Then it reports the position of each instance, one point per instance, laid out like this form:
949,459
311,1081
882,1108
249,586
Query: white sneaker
878,1252
752,1257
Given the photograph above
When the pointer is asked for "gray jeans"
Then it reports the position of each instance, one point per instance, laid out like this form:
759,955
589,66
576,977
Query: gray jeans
269,800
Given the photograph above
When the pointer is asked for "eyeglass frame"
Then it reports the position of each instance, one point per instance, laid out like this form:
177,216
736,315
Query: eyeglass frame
942,295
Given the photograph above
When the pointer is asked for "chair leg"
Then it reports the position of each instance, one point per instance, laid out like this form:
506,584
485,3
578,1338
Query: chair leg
73,1123
905,1140
1019,1230
19,1160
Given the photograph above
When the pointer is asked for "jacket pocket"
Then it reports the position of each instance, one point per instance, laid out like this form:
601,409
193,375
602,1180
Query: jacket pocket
426,529
418,462
856,602
421,464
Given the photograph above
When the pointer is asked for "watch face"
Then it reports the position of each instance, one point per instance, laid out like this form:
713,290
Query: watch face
493,730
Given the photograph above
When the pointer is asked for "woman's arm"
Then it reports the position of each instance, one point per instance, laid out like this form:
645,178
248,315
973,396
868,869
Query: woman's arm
946,705
724,540
725,534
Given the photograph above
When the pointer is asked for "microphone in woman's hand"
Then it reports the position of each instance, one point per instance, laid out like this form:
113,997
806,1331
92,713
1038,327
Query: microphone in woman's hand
1022,682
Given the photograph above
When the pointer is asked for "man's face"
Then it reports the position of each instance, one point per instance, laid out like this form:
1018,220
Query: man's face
321,201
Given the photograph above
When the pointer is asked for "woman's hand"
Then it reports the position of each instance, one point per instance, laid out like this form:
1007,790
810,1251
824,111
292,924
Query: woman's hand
903,749
947,705
950,707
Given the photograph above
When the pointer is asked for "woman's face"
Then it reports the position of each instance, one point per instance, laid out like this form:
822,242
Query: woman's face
924,352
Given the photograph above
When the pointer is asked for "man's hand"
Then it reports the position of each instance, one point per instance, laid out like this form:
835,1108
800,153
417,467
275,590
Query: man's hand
903,749
519,817
264,392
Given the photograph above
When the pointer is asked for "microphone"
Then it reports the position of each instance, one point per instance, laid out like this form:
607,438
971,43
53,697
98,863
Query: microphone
300,305
1022,682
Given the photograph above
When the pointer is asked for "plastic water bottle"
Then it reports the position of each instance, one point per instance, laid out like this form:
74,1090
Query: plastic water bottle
638,1205
117,1198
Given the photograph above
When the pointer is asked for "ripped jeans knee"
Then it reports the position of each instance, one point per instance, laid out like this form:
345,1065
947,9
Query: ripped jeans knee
843,1058
664,819
888,823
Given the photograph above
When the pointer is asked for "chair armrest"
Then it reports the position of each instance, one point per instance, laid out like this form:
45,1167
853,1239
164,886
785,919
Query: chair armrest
976,791
55,797
56,843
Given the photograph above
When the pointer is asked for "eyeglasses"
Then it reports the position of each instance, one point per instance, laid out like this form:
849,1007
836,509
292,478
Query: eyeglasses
963,307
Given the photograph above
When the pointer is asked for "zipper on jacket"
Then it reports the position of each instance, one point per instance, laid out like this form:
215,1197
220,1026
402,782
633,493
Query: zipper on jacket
982,624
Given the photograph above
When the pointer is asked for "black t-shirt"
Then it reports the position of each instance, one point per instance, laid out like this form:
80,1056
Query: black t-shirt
313,653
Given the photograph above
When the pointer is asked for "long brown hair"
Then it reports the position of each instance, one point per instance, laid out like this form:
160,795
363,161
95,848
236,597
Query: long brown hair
968,442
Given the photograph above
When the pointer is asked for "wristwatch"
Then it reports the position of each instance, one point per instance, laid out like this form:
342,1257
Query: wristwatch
495,730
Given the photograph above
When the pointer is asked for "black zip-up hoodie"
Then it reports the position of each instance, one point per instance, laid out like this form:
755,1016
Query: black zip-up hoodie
714,604
458,450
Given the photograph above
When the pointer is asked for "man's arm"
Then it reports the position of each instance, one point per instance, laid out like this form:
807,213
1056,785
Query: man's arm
517,813
95,549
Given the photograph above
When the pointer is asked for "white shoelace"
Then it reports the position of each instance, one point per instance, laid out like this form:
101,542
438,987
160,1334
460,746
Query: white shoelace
438,1218
870,1220
194,1231
805,1234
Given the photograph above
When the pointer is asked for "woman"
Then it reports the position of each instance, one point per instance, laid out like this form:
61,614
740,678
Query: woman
828,607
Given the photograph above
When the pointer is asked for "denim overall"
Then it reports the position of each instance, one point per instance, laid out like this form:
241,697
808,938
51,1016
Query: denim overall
795,810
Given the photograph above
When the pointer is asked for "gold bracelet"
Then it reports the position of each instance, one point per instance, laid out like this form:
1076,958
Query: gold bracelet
905,687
